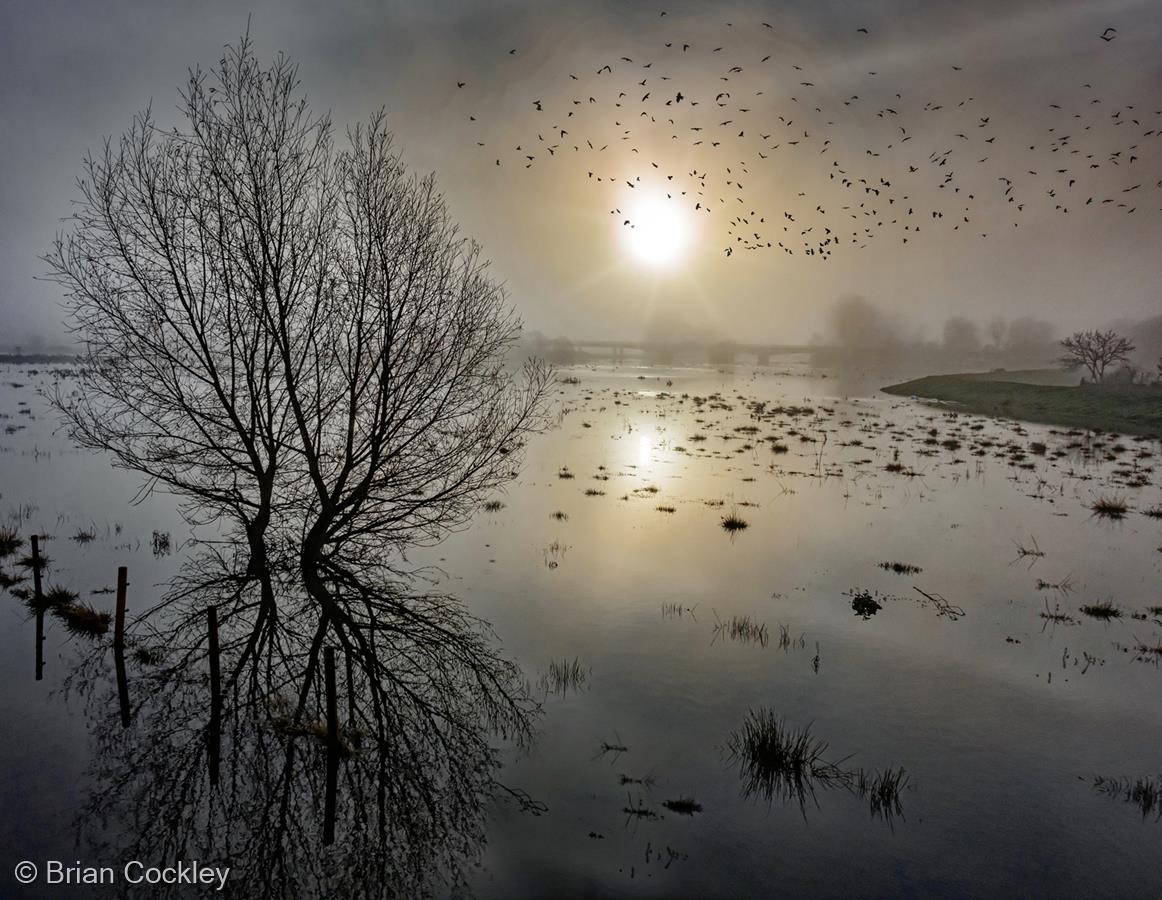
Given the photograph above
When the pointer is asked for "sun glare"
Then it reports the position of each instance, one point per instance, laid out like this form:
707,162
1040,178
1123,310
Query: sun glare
659,231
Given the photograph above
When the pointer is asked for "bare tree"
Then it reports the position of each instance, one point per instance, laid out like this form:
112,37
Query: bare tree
961,336
294,338
1096,350
858,324
998,330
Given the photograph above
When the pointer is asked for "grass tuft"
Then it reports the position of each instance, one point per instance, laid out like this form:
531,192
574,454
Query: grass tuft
734,522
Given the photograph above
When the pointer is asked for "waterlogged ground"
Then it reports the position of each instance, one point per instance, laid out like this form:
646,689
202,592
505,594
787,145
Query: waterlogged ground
904,589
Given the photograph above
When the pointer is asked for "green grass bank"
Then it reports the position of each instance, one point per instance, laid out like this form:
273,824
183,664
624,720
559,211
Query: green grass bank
1033,397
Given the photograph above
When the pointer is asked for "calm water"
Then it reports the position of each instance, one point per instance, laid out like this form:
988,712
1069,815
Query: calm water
999,716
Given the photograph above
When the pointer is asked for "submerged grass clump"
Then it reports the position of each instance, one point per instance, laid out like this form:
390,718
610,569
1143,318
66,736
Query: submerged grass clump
1065,586
1029,551
864,605
1103,610
901,568
743,629
1056,615
683,806
84,535
639,811
564,676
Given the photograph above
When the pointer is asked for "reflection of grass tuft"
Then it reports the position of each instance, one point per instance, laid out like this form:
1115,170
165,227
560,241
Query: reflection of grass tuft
882,790
683,806
564,676
27,562
1109,507
78,617
743,629
10,542
1145,793
84,535
777,761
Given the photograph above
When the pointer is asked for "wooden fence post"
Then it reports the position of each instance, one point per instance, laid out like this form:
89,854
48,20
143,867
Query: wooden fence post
119,620
332,746
39,599
214,736
36,586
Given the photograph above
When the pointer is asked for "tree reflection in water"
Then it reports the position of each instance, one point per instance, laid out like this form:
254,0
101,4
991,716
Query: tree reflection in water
424,700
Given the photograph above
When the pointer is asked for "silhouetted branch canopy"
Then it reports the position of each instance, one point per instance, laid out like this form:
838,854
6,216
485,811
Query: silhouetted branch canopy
292,335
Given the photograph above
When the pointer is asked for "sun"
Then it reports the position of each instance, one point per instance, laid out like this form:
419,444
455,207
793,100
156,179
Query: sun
659,232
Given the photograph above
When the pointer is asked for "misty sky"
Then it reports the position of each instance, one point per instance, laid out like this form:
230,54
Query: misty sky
72,73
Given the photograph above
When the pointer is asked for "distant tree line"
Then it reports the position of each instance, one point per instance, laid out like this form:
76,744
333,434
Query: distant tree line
860,326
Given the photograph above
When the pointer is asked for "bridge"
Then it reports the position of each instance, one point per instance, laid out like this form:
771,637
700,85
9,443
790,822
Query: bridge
667,352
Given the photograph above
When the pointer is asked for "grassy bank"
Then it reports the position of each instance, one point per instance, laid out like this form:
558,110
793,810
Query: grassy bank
1129,410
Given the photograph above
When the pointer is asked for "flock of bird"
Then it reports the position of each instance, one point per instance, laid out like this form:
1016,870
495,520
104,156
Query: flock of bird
756,131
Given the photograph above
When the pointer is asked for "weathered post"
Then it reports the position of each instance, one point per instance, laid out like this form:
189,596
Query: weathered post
122,683
39,598
332,746
214,735
350,688
119,620
36,566
39,642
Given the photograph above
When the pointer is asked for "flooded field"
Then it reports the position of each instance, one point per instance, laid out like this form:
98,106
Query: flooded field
784,635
